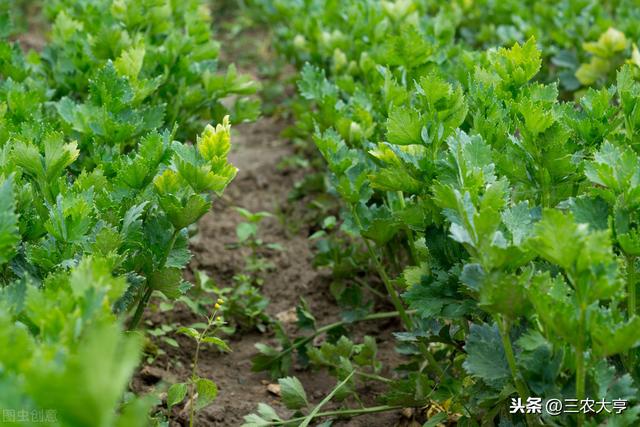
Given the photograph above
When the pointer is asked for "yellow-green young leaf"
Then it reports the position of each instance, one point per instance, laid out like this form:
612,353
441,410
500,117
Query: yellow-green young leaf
183,214
119,8
614,40
101,366
609,42
293,394
558,238
221,176
617,169
412,275
395,178
611,336
231,82
65,27
630,242
168,182
176,394
596,69
537,118
519,64
107,242
70,218
207,392
635,56
398,9
129,63
201,178
214,143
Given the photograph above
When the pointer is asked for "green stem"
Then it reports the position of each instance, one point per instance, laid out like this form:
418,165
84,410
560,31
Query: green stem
545,199
412,245
511,359
326,328
391,290
170,245
395,299
142,304
433,363
631,284
324,401
338,413
135,321
370,288
194,369
521,386
373,377
631,304
580,366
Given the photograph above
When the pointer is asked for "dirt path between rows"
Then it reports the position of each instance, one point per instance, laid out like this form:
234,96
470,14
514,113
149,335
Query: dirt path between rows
259,186
262,184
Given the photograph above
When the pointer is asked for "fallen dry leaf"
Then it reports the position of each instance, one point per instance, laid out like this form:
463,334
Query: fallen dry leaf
287,316
274,389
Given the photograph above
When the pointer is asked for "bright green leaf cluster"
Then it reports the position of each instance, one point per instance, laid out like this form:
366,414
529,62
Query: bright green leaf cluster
484,179
97,194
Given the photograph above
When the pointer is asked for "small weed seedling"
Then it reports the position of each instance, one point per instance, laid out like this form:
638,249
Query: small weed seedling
202,391
244,305
247,233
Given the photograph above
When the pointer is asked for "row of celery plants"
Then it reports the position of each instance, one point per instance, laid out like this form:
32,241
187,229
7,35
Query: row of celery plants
97,194
504,186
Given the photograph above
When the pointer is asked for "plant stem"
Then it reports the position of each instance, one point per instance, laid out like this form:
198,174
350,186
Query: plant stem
545,196
521,387
370,288
395,299
412,246
170,245
433,363
391,290
135,321
194,374
511,359
142,304
631,284
580,367
631,304
324,401
373,377
343,412
326,328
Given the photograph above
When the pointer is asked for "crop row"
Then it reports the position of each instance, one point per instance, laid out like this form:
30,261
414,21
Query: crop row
97,194
495,189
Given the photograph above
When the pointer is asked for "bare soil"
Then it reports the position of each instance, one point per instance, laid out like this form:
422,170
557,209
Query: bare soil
262,184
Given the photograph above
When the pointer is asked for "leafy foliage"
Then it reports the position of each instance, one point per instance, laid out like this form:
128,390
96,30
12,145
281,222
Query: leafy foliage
488,159
97,194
